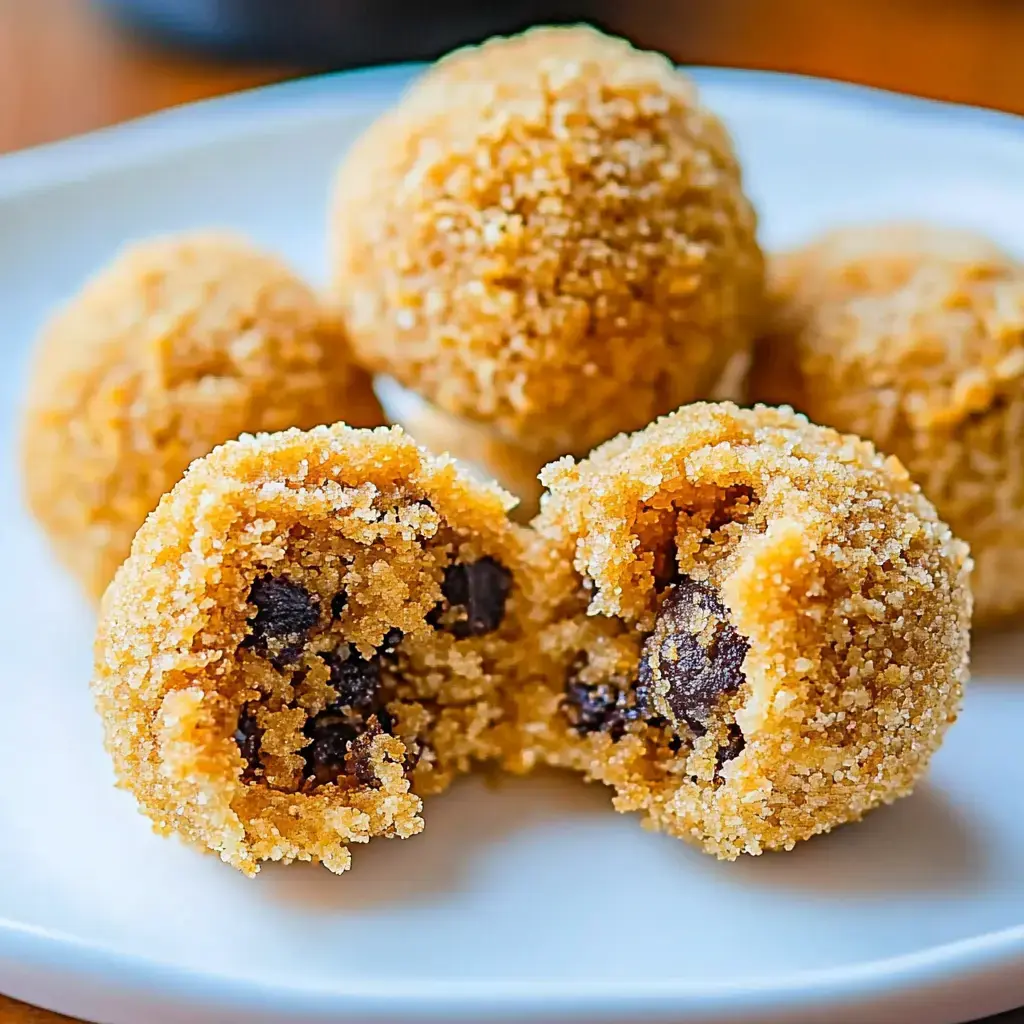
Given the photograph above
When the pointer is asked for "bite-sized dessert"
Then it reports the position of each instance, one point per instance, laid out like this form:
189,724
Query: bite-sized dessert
180,344
310,634
759,627
913,336
548,235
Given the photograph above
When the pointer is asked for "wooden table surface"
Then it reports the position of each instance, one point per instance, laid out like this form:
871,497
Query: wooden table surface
64,69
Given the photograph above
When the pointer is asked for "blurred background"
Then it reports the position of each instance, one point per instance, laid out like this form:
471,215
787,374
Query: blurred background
68,66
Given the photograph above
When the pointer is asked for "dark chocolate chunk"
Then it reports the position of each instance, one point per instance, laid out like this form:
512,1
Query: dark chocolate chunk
285,613
338,603
599,707
481,588
248,735
331,732
694,656
357,761
356,679
342,730
732,747
642,686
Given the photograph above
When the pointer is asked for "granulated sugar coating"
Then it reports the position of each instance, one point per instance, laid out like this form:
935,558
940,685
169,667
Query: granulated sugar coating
760,627
914,337
182,343
307,638
549,235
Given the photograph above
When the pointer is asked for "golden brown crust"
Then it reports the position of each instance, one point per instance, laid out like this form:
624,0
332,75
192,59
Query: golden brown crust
361,529
915,341
829,565
549,235
181,343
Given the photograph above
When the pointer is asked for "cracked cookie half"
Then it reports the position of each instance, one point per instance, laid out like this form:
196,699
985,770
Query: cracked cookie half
308,637
758,627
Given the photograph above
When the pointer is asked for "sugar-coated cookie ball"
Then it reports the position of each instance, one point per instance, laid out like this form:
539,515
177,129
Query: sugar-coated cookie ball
181,343
759,627
549,235
312,632
914,337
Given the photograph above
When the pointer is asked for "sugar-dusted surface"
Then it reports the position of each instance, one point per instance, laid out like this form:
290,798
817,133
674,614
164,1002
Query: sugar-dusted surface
308,623
804,556
179,344
914,337
542,210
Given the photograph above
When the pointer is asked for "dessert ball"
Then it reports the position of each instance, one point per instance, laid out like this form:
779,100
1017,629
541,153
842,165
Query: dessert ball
758,627
180,344
914,338
310,634
548,235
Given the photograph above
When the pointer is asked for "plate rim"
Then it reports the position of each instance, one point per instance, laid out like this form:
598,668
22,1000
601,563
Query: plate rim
992,961
978,966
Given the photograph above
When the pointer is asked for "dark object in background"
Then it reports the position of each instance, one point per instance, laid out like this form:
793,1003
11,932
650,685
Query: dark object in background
337,33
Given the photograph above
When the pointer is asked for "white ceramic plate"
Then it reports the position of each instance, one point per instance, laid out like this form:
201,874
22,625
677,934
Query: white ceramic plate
532,899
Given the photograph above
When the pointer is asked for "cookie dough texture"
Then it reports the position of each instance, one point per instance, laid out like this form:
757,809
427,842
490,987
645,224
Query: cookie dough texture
181,343
548,235
308,637
758,627
913,336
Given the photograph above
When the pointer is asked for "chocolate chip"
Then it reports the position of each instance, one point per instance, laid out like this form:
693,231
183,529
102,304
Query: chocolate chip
331,732
338,603
694,656
285,613
358,761
481,588
732,747
383,721
356,679
339,731
248,735
643,685
599,707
